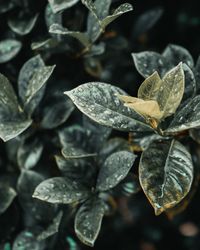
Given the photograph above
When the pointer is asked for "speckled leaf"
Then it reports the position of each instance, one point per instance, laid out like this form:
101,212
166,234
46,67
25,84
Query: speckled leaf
9,48
166,174
146,21
176,54
88,220
9,130
59,5
56,113
72,152
82,37
99,101
94,23
91,6
22,24
52,228
171,91
114,169
7,195
60,190
123,8
148,62
27,240
188,117
51,17
29,153
37,81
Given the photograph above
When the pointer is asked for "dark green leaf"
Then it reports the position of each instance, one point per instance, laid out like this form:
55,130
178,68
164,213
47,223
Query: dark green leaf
88,220
52,228
176,54
166,174
29,153
22,24
6,6
99,102
51,17
188,117
58,5
60,190
72,152
9,48
7,195
114,169
195,134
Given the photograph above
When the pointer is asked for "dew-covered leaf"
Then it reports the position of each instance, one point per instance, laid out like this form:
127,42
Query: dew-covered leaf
176,54
148,62
171,91
99,102
45,44
27,240
166,174
188,117
29,153
9,48
7,195
114,169
72,152
36,83
51,17
52,228
11,129
22,24
82,37
57,112
88,220
60,190
59,5
146,21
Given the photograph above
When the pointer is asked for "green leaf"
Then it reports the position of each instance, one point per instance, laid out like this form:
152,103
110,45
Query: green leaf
195,134
7,195
114,169
44,45
82,37
9,48
99,102
148,62
51,17
88,220
72,152
56,113
176,54
29,153
52,228
166,174
59,5
22,24
123,8
60,190
188,117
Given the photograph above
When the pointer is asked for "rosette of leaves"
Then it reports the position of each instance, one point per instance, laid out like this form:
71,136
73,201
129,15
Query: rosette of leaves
98,19
166,170
16,113
92,167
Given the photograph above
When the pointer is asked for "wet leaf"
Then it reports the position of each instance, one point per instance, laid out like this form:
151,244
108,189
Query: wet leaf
9,48
52,228
114,169
123,8
166,174
99,102
29,153
22,24
148,62
82,37
176,54
188,117
72,152
59,5
7,195
60,190
88,220
171,91
51,17
56,114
